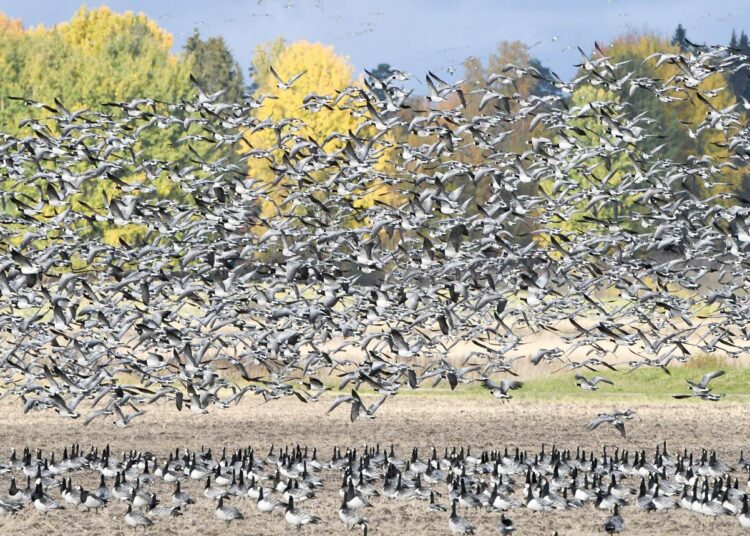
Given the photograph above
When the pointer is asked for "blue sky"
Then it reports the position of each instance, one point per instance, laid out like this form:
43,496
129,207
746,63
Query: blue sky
417,35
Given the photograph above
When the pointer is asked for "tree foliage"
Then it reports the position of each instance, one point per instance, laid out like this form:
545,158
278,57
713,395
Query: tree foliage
214,66
673,113
325,72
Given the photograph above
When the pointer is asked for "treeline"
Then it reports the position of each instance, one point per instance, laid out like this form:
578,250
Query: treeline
100,56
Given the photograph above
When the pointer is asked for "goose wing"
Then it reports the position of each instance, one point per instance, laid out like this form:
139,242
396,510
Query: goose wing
710,376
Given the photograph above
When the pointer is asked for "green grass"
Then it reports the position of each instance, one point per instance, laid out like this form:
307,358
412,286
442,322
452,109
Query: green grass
648,384
644,384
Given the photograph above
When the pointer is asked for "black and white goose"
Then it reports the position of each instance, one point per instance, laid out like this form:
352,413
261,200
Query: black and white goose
349,516
135,519
15,495
457,524
155,509
297,517
268,504
43,502
103,491
90,501
435,506
505,526
179,497
214,492
227,513
614,523
744,516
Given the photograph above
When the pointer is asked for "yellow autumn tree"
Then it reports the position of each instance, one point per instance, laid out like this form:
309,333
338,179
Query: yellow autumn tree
325,73
8,25
96,57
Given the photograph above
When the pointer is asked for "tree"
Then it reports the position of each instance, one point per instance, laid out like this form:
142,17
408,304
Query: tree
264,56
679,37
381,72
739,77
743,45
8,25
213,65
97,57
324,73
597,175
673,113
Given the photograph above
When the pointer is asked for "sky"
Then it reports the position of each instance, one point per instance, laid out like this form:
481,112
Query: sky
418,35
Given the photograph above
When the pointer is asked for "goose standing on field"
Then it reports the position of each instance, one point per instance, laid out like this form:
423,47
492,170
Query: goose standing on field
8,509
505,526
179,497
614,523
435,506
43,502
298,518
349,516
90,501
68,494
156,510
213,492
15,495
137,519
457,524
744,516
227,513
268,504
103,491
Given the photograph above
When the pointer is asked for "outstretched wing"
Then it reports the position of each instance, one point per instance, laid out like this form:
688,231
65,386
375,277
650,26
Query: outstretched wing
295,77
602,379
710,376
339,400
275,74
598,421
374,407
507,385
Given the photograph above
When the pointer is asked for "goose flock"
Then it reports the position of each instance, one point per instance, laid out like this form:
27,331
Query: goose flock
286,484
367,257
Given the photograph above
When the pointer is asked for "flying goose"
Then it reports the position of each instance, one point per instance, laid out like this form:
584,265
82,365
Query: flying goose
500,390
284,85
590,384
616,419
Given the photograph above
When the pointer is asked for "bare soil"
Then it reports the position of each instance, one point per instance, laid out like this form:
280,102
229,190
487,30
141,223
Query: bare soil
424,421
